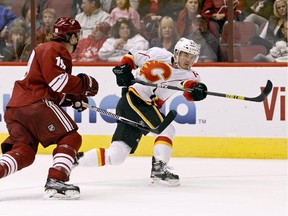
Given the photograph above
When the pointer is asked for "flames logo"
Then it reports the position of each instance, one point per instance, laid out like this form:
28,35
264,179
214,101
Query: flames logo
154,71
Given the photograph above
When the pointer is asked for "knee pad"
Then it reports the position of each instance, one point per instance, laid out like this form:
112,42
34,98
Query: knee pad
72,139
169,132
23,155
117,153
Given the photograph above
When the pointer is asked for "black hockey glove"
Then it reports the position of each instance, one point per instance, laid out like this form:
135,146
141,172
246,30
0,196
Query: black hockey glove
123,75
198,92
90,85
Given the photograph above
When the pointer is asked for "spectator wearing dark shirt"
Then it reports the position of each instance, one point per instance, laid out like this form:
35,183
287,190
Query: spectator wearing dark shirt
209,44
186,16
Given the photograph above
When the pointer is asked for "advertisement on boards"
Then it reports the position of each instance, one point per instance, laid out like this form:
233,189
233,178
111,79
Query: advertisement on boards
212,117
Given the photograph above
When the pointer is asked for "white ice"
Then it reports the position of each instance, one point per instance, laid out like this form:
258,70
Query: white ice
209,187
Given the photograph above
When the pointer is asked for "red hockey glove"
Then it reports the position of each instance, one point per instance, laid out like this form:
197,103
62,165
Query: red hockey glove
123,75
198,91
90,85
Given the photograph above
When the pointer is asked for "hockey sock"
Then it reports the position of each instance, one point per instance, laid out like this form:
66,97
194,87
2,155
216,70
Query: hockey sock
94,157
163,148
63,159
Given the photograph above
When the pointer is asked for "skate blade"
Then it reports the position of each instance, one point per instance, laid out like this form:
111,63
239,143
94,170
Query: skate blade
52,194
169,183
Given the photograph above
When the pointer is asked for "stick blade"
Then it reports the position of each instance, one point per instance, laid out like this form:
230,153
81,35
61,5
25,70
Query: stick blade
266,91
167,120
268,88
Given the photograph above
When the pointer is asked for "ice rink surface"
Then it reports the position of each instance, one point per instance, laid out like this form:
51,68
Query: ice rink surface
209,187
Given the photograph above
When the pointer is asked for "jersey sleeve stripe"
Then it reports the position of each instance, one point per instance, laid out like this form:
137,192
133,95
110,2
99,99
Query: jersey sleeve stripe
59,82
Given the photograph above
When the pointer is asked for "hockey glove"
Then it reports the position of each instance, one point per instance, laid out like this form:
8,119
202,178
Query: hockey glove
89,84
199,92
77,102
123,75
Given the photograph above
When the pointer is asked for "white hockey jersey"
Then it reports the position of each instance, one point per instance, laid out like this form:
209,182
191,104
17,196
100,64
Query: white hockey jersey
155,66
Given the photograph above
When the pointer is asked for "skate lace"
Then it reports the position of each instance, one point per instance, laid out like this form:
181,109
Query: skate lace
167,170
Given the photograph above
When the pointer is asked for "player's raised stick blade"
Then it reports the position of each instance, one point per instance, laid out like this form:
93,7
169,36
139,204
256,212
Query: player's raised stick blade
265,92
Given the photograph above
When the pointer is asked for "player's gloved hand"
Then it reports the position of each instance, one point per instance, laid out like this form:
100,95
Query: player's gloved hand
199,92
123,75
77,102
90,85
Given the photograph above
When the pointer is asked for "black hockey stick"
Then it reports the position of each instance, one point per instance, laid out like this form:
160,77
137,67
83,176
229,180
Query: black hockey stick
259,98
167,120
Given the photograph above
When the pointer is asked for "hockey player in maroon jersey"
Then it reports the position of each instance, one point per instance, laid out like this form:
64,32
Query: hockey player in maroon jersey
34,114
142,103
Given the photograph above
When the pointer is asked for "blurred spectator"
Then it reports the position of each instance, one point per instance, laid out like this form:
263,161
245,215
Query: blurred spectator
25,22
15,44
124,37
106,5
148,7
170,8
6,18
7,4
124,10
134,4
48,20
209,44
279,52
257,11
149,26
87,49
92,14
64,9
167,34
186,16
17,5
109,5
26,14
271,32
216,13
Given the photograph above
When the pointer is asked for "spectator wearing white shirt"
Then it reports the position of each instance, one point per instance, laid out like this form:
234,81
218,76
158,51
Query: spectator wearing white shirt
279,52
124,37
92,15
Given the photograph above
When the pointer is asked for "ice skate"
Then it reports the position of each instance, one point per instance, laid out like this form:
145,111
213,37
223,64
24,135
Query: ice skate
55,189
160,174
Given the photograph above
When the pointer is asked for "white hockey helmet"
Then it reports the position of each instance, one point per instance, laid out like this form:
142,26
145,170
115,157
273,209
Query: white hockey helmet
187,46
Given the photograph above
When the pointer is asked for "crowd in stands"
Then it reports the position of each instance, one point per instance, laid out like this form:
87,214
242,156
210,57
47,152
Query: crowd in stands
112,27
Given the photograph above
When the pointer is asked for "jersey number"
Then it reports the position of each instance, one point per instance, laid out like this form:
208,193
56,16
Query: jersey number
60,63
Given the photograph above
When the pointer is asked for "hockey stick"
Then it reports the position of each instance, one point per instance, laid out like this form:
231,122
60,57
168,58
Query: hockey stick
167,120
259,98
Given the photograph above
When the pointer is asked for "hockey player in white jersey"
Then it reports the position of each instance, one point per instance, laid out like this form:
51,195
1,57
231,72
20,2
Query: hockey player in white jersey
143,103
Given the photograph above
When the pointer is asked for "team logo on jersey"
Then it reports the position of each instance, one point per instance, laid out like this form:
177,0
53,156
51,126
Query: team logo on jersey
51,128
155,70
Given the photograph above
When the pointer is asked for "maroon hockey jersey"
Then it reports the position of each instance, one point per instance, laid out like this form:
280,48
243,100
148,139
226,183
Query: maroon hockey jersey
48,76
